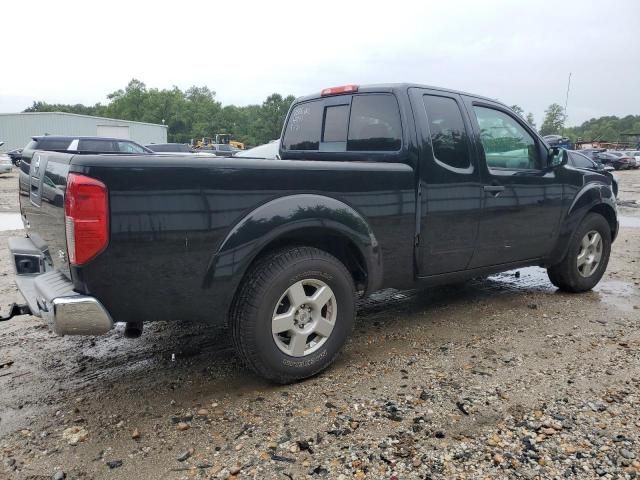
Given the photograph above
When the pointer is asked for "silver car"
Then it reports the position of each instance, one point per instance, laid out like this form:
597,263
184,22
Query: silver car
635,154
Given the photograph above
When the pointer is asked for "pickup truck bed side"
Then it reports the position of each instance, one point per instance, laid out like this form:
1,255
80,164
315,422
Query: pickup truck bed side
189,231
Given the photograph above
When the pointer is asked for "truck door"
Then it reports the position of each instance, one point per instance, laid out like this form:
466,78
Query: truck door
449,183
522,197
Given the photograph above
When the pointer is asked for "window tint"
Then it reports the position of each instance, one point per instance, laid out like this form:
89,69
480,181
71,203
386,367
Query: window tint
129,147
448,134
505,142
374,124
53,143
304,126
96,146
336,119
579,160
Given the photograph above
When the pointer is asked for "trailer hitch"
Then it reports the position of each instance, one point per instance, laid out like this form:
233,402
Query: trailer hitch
15,309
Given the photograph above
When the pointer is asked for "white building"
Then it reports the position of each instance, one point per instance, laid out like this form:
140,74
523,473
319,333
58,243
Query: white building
16,129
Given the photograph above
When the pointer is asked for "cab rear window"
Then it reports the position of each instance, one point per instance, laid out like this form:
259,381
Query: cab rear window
365,122
53,143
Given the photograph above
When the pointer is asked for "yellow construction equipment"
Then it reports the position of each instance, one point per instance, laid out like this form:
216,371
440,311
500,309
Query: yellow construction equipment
225,138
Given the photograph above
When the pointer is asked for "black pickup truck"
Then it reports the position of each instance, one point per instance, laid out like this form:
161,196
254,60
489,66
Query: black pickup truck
377,186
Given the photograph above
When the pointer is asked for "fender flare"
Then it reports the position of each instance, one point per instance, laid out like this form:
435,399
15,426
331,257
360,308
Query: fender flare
281,216
590,196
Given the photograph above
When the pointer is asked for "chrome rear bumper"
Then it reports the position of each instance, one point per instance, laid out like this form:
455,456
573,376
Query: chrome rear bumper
50,294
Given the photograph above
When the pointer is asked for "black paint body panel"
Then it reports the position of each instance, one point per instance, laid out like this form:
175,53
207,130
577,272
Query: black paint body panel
184,230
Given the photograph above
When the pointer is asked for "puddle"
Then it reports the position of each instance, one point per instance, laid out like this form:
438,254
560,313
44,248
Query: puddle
621,295
10,221
528,278
629,222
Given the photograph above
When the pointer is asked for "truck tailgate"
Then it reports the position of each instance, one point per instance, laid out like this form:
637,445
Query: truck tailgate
42,187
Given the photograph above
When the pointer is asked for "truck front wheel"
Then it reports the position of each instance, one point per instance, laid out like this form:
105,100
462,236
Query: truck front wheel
587,256
293,313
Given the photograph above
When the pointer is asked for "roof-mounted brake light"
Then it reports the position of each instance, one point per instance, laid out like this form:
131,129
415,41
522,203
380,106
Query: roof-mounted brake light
339,90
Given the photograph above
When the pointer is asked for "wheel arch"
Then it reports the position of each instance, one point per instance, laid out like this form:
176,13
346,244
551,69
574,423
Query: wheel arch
593,198
307,219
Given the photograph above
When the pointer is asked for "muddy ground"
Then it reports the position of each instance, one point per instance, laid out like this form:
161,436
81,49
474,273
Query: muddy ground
500,378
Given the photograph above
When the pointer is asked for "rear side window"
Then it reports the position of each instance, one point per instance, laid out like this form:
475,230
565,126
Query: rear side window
366,123
448,134
375,124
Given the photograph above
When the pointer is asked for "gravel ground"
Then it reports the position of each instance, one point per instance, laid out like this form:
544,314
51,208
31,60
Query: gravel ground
500,378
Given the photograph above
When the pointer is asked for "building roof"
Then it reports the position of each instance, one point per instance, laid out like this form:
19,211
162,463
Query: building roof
84,116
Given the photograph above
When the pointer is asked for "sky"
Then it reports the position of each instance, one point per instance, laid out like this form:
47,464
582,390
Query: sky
520,52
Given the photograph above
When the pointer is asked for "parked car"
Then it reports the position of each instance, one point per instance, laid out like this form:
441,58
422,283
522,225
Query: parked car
619,162
15,156
269,151
384,186
630,159
635,154
170,148
579,160
5,163
74,145
71,144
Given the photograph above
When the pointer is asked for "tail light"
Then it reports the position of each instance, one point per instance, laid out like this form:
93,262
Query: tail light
339,90
86,215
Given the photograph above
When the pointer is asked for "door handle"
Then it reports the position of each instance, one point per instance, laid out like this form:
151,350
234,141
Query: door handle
494,189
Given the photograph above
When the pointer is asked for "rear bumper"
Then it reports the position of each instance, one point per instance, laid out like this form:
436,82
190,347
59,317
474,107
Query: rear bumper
50,294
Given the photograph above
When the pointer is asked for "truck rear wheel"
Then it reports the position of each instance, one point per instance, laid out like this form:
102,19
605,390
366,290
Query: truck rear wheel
587,256
293,313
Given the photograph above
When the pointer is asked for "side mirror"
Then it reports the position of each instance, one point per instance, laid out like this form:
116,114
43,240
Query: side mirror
557,157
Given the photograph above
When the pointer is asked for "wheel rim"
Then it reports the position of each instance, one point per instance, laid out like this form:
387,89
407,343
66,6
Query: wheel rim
304,317
590,253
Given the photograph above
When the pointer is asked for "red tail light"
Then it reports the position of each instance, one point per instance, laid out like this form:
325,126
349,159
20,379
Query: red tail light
86,212
338,90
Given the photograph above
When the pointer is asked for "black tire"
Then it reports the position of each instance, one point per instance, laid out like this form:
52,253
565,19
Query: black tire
566,275
261,292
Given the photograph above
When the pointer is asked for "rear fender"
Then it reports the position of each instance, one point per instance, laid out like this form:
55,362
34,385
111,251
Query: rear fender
283,216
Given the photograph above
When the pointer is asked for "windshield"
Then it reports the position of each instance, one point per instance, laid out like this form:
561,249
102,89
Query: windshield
268,151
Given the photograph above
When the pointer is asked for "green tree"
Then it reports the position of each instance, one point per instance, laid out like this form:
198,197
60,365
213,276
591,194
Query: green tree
554,118
194,113
517,109
530,120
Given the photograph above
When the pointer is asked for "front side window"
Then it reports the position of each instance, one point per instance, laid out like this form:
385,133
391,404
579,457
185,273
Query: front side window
579,160
448,134
506,144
